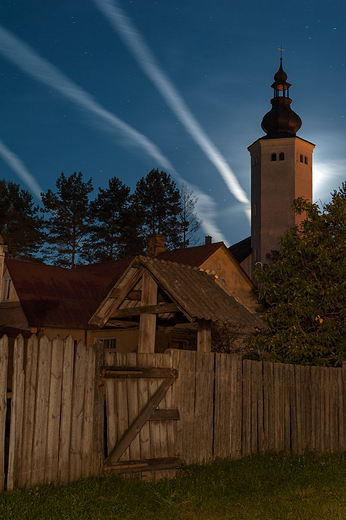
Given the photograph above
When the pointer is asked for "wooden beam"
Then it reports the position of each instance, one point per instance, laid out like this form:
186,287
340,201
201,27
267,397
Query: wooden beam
131,466
133,295
139,422
147,322
101,321
120,372
161,308
204,336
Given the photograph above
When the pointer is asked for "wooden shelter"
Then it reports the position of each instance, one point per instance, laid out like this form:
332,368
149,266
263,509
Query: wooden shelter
155,294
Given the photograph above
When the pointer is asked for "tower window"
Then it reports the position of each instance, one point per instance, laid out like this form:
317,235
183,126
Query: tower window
301,158
273,156
281,156
306,160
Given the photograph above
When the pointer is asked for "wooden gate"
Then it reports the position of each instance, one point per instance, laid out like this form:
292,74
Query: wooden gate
140,432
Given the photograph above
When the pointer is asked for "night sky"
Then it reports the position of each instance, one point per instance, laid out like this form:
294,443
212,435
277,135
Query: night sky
118,88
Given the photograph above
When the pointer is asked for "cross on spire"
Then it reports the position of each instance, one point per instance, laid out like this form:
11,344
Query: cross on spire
281,50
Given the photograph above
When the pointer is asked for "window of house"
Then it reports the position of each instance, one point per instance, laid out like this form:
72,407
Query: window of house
109,344
6,289
281,156
301,158
273,156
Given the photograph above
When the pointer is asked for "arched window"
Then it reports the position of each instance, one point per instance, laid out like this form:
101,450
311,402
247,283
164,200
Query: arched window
273,156
281,156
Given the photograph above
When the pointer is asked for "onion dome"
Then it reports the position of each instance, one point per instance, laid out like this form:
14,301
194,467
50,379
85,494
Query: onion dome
281,121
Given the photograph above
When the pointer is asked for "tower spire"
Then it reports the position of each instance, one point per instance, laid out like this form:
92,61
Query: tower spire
281,121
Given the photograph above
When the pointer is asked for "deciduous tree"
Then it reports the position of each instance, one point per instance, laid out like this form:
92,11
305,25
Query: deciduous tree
304,289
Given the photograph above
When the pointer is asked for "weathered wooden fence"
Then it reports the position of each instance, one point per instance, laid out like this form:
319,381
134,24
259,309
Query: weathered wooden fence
55,415
162,410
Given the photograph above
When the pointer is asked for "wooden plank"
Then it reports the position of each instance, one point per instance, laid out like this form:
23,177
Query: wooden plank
143,398
246,430
204,407
185,361
334,412
66,410
41,413
78,411
111,410
204,336
53,427
88,413
278,408
236,416
167,402
17,410
3,405
147,322
291,424
160,308
256,381
287,380
122,405
298,380
29,409
131,466
342,437
158,430
327,389
99,413
222,410
141,419
132,404
101,321
165,415
128,372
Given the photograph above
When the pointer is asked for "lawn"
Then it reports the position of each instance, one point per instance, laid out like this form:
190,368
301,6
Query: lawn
266,487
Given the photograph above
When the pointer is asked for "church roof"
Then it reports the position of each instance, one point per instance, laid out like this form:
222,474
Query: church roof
281,121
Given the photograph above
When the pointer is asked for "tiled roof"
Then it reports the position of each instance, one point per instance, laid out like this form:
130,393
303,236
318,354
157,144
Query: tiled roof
241,250
53,296
194,256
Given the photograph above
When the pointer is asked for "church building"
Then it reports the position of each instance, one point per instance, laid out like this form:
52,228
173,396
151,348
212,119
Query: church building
281,171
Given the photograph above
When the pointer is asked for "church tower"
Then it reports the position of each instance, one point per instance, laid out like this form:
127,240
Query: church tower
281,171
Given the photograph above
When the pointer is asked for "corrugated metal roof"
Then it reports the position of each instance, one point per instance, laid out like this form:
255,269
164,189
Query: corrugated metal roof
198,294
195,292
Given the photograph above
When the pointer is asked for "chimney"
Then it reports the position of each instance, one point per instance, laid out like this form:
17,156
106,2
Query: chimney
156,244
208,240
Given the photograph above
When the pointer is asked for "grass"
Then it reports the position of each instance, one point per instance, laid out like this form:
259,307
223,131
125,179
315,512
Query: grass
265,487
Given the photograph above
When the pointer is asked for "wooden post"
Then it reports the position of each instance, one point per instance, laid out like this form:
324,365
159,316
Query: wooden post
204,336
147,322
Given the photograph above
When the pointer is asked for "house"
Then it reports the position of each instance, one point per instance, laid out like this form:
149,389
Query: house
50,300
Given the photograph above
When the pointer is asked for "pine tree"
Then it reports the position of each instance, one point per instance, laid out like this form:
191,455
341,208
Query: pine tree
20,224
156,202
108,215
69,221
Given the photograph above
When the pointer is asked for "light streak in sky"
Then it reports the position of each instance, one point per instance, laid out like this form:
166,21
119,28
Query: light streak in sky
13,49
19,168
135,42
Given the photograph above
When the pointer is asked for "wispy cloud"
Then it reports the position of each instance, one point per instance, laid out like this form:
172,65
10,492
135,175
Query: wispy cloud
13,49
20,169
135,42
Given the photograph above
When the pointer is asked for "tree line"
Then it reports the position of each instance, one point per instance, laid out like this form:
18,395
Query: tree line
70,229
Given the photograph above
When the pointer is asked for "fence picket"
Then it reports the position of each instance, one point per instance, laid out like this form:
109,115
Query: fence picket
3,406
